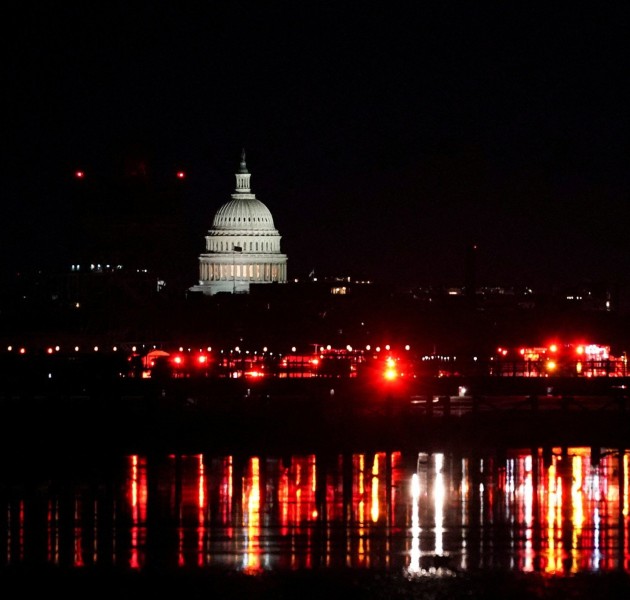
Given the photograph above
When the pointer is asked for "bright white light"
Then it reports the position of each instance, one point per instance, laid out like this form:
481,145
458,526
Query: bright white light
439,493
415,487
414,554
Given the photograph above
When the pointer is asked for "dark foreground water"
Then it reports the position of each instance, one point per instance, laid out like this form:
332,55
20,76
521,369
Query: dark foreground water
515,523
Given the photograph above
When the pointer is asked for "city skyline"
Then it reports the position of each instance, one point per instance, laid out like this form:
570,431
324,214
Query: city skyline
383,142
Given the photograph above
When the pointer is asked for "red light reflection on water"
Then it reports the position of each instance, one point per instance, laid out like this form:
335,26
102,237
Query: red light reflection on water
564,514
578,498
251,516
557,511
52,541
201,529
78,534
571,515
244,509
138,498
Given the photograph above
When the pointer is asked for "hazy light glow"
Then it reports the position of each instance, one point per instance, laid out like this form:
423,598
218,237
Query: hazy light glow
390,374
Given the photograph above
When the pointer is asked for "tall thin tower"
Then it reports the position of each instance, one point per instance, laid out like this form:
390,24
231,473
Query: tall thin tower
470,284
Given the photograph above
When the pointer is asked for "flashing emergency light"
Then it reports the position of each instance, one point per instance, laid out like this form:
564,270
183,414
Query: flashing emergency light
390,373
178,360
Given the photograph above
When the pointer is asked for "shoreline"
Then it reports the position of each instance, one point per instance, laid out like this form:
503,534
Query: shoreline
319,583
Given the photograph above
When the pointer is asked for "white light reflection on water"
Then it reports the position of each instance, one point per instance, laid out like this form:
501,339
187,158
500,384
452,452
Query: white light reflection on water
433,561
527,492
438,497
429,514
414,554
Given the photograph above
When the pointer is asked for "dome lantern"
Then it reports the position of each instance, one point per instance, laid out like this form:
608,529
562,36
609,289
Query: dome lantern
242,177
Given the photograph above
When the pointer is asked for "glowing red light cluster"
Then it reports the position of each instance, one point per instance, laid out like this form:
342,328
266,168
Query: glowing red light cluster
391,372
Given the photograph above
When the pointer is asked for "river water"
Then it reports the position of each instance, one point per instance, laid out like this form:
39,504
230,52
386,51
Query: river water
561,510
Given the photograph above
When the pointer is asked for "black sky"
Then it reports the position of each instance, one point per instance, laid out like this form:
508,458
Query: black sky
383,137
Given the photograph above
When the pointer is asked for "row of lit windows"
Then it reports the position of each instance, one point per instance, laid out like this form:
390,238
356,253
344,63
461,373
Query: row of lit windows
264,272
250,219
253,246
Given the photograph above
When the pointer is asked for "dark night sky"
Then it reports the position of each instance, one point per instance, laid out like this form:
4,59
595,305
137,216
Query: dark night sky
383,137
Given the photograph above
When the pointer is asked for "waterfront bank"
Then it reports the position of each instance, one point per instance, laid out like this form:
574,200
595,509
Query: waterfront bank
315,415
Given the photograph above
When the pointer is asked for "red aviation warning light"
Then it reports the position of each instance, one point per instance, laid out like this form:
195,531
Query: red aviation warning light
79,174
181,175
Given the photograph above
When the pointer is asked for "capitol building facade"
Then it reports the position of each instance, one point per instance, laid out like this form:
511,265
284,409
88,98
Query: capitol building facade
243,245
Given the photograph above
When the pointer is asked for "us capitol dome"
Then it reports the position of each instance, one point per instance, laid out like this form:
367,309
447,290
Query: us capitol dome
243,245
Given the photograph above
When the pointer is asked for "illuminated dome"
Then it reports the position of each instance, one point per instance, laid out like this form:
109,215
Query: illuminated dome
243,214
243,245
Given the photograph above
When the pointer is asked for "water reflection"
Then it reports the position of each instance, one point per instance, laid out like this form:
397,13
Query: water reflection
549,510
